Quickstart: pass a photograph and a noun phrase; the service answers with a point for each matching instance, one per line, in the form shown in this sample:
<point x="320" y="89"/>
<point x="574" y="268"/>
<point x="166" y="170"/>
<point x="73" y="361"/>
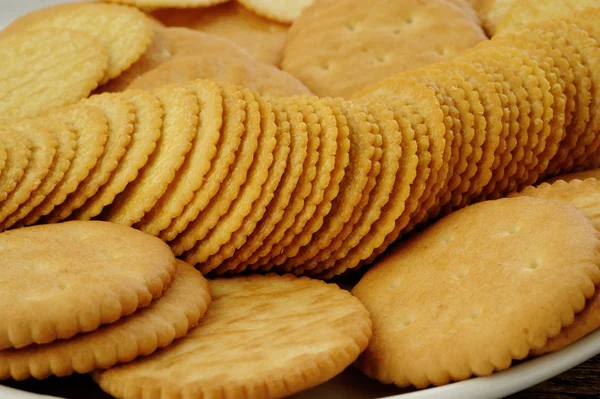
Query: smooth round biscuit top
<point x="479" y="288"/>
<point x="62" y="279"/>
<point x="262" y="337"/>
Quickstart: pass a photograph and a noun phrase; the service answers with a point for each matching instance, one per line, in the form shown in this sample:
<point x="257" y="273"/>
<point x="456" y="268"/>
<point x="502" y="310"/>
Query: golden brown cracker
<point x="124" y="32"/>
<point x="167" y="318"/>
<point x="43" y="152"/>
<point x="288" y="117"/>
<point x="197" y="164"/>
<point x="241" y="210"/>
<point x="218" y="206"/>
<point x="251" y="318"/>
<point x="147" y="129"/>
<point x="45" y="69"/>
<point x="120" y="115"/>
<point x="453" y="335"/>
<point x="260" y="210"/>
<point x="262" y="38"/>
<point x="91" y="130"/>
<point x="65" y="152"/>
<point x="18" y="151"/>
<point x="232" y="130"/>
<point x="284" y="12"/>
<point x="180" y="124"/>
<point x="339" y="48"/>
<point x="72" y="277"/>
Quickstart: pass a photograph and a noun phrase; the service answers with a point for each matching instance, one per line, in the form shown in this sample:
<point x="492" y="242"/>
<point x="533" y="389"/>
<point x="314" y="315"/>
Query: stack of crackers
<point x="176" y="127"/>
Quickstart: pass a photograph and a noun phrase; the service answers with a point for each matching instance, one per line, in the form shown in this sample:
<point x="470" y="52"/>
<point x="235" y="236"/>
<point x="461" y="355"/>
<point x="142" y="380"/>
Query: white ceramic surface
<point x="351" y="384"/>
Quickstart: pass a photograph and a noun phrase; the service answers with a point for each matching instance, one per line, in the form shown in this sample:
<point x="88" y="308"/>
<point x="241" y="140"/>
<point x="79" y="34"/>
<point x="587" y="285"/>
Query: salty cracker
<point x="262" y="38"/>
<point x="180" y="124"/>
<point x="339" y="48"/>
<point x="197" y="164"/>
<point x="284" y="12"/>
<point x="341" y="115"/>
<point x="43" y="151"/>
<point x="120" y="115"/>
<point x="265" y="320"/>
<point x="146" y="131"/>
<point x="91" y="130"/>
<point x="18" y="151"/>
<point x="45" y="69"/>
<point x="327" y="131"/>
<point x="124" y="32"/>
<point x="454" y="334"/>
<point x="241" y="210"/>
<point x="305" y="126"/>
<point x="363" y="133"/>
<point x="232" y="130"/>
<point x="218" y="206"/>
<point x="72" y="277"/>
<point x="281" y="153"/>
<point x="65" y="152"/>
<point x="153" y="4"/>
<point x="235" y="67"/>
<point x="167" y="318"/>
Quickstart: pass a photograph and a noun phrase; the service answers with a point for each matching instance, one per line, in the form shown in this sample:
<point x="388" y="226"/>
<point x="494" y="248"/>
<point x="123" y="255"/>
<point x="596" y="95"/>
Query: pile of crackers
<point x="251" y="146"/>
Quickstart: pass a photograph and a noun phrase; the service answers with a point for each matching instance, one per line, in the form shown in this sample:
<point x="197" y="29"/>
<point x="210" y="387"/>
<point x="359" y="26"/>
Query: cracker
<point x="326" y="130"/>
<point x="18" y="151"/>
<point x="65" y="153"/>
<point x="290" y="200"/>
<point x="259" y="210"/>
<point x="234" y="66"/>
<point x="124" y="32"/>
<point x="326" y="325"/>
<point x="491" y="13"/>
<point x="67" y="278"/>
<point x="43" y="151"/>
<point x="197" y="164"/>
<point x="339" y="48"/>
<point x="146" y="131"/>
<point x="167" y="318"/>
<point x="240" y="214"/>
<point x="179" y="127"/>
<point x="232" y="130"/>
<point x="587" y="174"/>
<point x="91" y="130"/>
<point x="284" y="12"/>
<point x="120" y="115"/>
<point x="362" y="133"/>
<point x="262" y="38"/>
<point x="473" y="322"/>
<point x="153" y="4"/>
<point x="220" y="204"/>
<point x="45" y="69"/>
<point x="389" y="199"/>
<point x="523" y="13"/>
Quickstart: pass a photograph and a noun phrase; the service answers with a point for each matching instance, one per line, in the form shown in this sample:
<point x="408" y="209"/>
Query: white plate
<point x="351" y="384"/>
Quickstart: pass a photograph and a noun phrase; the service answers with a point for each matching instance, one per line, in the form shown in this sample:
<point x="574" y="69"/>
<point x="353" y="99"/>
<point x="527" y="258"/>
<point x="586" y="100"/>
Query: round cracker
<point x="221" y="203"/>
<point x="124" y="32"/>
<point x="259" y="211"/>
<point x="45" y="69"/>
<point x="248" y="198"/>
<point x="339" y="48"/>
<point x="197" y="163"/>
<point x="262" y="38"/>
<point x="65" y="153"/>
<point x="284" y="12"/>
<point x="156" y="326"/>
<point x="18" y="151"/>
<point x="454" y="334"/>
<point x="362" y="134"/>
<point x="91" y="130"/>
<point x="146" y="131"/>
<point x="232" y="130"/>
<point x="120" y="115"/>
<point x="180" y="124"/>
<point x="43" y="152"/>
<point x="326" y="324"/>
<point x="63" y="279"/>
